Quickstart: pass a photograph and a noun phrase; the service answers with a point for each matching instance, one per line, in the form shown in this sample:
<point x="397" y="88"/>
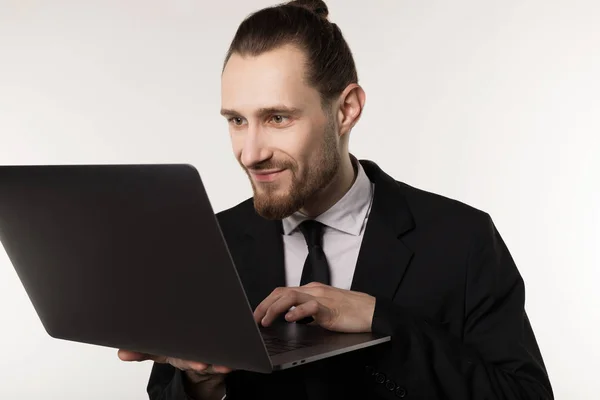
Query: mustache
<point x="271" y="165"/>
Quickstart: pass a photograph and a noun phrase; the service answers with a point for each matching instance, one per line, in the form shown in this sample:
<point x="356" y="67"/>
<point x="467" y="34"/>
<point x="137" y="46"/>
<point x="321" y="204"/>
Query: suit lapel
<point x="383" y="257"/>
<point x="260" y="262"/>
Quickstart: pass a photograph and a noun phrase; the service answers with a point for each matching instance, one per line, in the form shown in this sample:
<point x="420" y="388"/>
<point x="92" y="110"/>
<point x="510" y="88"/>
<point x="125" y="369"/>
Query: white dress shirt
<point x="345" y="224"/>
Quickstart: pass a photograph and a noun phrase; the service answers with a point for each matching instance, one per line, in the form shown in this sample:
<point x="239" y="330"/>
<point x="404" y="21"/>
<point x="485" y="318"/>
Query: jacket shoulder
<point x="432" y="207"/>
<point x="236" y="217"/>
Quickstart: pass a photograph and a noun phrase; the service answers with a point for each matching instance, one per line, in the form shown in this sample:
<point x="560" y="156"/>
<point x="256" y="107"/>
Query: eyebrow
<point x="279" y="109"/>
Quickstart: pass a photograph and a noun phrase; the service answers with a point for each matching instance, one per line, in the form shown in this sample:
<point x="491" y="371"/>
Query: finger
<point x="280" y="305"/>
<point x="128" y="355"/>
<point x="305" y="310"/>
<point x="185" y="365"/>
<point x="314" y="284"/>
<point x="283" y="304"/>
<point x="317" y="289"/>
<point x="191" y="365"/>
<point x="220" y="369"/>
<point x="261" y="310"/>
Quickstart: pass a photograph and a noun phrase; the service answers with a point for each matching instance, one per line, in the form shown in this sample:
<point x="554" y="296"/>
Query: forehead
<point x="274" y="77"/>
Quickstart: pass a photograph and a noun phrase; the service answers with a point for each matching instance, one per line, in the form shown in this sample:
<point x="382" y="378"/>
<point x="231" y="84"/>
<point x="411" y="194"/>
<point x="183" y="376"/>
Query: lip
<point x="266" y="176"/>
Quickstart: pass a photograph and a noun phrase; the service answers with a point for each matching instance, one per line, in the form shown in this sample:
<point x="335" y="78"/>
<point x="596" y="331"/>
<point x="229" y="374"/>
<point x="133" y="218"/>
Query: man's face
<point x="280" y="134"/>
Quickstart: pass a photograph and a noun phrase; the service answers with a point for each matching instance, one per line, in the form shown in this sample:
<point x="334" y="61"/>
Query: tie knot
<point x="313" y="232"/>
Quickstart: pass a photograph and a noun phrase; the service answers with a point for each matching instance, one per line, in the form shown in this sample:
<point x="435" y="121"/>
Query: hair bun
<point x="316" y="6"/>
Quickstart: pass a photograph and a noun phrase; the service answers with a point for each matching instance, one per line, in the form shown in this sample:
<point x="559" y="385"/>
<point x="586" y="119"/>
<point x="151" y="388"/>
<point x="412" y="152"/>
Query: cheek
<point x="304" y="143"/>
<point x="237" y="144"/>
<point x="311" y="149"/>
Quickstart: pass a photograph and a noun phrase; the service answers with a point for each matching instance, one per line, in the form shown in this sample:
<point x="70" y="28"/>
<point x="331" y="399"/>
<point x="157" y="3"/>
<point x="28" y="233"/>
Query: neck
<point x="333" y="192"/>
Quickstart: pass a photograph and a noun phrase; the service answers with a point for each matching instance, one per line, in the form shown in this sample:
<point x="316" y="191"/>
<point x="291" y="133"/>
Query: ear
<point x="351" y="103"/>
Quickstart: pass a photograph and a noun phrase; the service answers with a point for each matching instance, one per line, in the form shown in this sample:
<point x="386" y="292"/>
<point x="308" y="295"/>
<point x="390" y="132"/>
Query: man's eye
<point x="278" y="119"/>
<point x="236" y="121"/>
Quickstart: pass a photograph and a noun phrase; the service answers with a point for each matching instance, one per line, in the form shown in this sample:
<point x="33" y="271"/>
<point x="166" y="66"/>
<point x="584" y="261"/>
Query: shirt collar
<point x="348" y="214"/>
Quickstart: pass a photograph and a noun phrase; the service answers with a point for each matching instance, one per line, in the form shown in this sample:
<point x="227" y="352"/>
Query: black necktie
<point x="316" y="268"/>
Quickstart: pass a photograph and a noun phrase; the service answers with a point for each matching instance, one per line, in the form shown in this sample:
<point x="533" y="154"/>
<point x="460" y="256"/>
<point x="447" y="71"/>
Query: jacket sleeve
<point x="166" y="383"/>
<point x="497" y="356"/>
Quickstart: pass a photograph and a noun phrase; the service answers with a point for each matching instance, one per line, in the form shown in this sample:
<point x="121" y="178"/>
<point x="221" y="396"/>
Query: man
<point x="431" y="272"/>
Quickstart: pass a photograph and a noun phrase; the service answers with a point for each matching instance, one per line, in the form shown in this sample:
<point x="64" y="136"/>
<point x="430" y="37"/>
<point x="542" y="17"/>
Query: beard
<point x="272" y="204"/>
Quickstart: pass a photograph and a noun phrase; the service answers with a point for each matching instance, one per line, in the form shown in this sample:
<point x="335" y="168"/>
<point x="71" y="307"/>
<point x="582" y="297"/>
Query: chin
<point x="271" y="192"/>
<point x="275" y="207"/>
<point x="270" y="201"/>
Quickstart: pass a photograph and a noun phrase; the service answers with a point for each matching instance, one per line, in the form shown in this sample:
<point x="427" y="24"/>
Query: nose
<point x="255" y="149"/>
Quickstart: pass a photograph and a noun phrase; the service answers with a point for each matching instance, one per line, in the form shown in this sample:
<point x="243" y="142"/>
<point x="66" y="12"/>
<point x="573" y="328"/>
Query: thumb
<point x="127" y="355"/>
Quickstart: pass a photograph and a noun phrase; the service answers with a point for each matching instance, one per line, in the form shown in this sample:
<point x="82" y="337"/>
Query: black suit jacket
<point x="446" y="289"/>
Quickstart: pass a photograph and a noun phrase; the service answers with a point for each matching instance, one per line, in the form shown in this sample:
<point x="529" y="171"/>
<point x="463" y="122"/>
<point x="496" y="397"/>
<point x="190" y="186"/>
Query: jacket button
<point x="390" y="385"/>
<point x="369" y="370"/>
<point x="401" y="392"/>
<point x="379" y="377"/>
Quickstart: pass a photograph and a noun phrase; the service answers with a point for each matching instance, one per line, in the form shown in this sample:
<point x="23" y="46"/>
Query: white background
<point x="495" y="103"/>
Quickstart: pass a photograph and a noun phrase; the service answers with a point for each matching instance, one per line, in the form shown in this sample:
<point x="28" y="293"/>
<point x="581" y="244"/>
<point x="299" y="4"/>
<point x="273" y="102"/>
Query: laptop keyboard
<point x="276" y="345"/>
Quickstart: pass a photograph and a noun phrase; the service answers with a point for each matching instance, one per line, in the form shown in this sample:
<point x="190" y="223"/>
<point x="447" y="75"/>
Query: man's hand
<point x="204" y="381"/>
<point x="199" y="368"/>
<point x="332" y="308"/>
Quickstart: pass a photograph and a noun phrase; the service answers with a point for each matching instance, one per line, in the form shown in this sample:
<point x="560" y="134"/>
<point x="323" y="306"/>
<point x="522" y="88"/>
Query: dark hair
<point x="330" y="64"/>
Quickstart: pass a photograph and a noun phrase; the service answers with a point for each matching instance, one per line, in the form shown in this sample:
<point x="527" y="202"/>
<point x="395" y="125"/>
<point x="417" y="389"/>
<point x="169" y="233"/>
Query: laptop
<point x="132" y="257"/>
